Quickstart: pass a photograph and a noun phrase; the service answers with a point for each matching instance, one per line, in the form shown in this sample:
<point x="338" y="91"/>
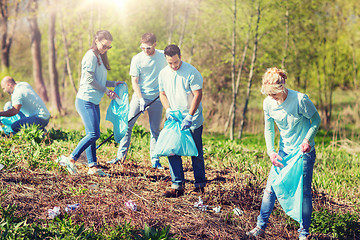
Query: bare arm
<point x="195" y="102"/>
<point x="12" y="111"/>
<point x="164" y="100"/>
<point x="135" y="86"/>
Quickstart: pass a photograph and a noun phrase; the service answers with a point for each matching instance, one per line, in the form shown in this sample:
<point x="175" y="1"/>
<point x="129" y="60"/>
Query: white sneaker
<point x="256" y="232"/>
<point x="97" y="171"/>
<point x="70" y="166"/>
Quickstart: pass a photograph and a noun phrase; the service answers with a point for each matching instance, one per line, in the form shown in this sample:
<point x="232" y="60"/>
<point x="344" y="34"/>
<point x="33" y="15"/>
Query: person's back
<point x="32" y="104"/>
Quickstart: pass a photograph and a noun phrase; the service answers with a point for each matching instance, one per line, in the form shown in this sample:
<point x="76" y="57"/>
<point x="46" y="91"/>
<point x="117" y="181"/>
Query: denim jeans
<point x="23" y="121"/>
<point x="155" y="116"/>
<point x="176" y="168"/>
<point x="269" y="197"/>
<point x="90" y="115"/>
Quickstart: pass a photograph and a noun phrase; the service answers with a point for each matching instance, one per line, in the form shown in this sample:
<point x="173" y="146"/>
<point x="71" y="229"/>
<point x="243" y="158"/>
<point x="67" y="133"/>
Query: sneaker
<point x="198" y="190"/>
<point x="256" y="232"/>
<point x="173" y="193"/>
<point x="114" y="161"/>
<point x="157" y="165"/>
<point x="97" y="171"/>
<point x="70" y="166"/>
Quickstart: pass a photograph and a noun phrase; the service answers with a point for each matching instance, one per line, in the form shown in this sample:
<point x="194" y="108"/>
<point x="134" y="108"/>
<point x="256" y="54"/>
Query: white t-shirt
<point x="178" y="86"/>
<point x="32" y="104"/>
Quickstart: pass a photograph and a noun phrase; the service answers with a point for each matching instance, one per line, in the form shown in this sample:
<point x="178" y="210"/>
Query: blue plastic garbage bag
<point x="173" y="141"/>
<point x="118" y="111"/>
<point x="288" y="184"/>
<point x="7" y="122"/>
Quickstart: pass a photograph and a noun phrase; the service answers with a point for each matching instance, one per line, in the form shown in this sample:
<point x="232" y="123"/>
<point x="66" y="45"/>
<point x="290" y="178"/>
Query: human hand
<point x="168" y="116"/>
<point x="305" y="146"/>
<point x="111" y="94"/>
<point x="275" y="158"/>
<point x="142" y="105"/>
<point x="119" y="82"/>
<point x="187" y="122"/>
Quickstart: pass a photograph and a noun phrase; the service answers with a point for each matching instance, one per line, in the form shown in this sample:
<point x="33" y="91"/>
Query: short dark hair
<point x="171" y="50"/>
<point x="148" y="37"/>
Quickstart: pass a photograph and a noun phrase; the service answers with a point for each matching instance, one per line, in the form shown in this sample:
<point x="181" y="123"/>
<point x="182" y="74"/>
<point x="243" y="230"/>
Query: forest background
<point x="231" y="42"/>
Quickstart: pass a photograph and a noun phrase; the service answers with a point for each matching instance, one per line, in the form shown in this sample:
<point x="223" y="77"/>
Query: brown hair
<point x="100" y="35"/>
<point x="148" y="38"/>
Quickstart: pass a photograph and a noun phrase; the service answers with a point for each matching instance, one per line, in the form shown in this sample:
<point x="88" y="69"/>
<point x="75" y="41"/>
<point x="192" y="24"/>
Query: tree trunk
<point x="53" y="73"/>
<point x="253" y="61"/>
<point x="232" y="113"/>
<point x="233" y="84"/>
<point x="183" y="27"/>
<point x="171" y="21"/>
<point x="286" y="37"/>
<point x="6" y="37"/>
<point x="195" y="31"/>
<point x="36" y="51"/>
<point x="67" y="58"/>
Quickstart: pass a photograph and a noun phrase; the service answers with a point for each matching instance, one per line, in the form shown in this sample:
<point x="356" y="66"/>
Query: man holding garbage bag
<point x="180" y="86"/>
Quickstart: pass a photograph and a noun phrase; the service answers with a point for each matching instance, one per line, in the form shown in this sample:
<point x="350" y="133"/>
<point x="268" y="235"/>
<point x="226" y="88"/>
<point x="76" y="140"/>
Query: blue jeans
<point x="155" y="116"/>
<point x="90" y="115"/>
<point x="269" y="197"/>
<point x="176" y="168"/>
<point x="23" y="121"/>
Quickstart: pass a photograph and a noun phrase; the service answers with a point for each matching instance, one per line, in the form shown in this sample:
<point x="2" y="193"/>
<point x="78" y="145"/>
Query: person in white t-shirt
<point x="298" y="121"/>
<point x="144" y="71"/>
<point x="180" y="86"/>
<point x="26" y="101"/>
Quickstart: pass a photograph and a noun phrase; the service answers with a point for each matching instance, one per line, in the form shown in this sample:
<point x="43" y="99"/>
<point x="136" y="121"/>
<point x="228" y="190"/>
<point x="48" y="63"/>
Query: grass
<point x="236" y="172"/>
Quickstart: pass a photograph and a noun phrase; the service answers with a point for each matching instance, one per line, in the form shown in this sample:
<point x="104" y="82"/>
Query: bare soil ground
<point x="102" y="199"/>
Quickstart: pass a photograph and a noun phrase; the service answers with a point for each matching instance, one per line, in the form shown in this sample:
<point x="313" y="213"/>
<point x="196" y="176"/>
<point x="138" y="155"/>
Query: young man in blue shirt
<point x="180" y="86"/>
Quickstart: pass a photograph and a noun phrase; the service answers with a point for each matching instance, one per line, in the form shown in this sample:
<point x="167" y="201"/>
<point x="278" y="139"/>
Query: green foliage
<point x="123" y="231"/>
<point x="337" y="224"/>
<point x="64" y="135"/>
<point x="151" y="233"/>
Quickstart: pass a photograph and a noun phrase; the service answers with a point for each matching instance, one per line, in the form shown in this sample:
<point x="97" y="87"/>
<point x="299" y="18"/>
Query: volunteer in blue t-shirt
<point x="298" y="121"/>
<point x="144" y="71"/>
<point x="180" y="86"/>
<point x="93" y="85"/>
<point x="26" y="101"/>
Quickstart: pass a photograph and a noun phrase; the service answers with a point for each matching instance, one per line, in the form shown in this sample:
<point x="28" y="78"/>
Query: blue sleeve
<point x="307" y="108"/>
<point x="315" y="124"/>
<point x="269" y="131"/>
<point x="196" y="80"/>
<point x="134" y="67"/>
<point x="89" y="62"/>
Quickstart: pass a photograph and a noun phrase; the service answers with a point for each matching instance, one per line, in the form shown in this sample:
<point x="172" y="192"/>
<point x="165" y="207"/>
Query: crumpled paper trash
<point x="217" y="209"/>
<point x="1" y="166"/>
<point x="131" y="205"/>
<point x="238" y="212"/>
<point x="54" y="212"/>
<point x="200" y="205"/>
<point x="72" y="207"/>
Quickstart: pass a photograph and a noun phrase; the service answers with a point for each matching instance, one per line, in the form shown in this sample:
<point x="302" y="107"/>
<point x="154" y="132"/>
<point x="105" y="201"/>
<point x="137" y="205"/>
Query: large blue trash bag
<point x="118" y="111"/>
<point x="172" y="141"/>
<point x="6" y="123"/>
<point x="288" y="184"/>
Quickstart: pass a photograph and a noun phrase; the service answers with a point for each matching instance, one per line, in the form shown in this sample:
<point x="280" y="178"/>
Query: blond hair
<point x="273" y="81"/>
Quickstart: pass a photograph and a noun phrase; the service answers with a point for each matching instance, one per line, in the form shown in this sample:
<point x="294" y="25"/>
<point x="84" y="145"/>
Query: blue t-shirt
<point x="178" y="86"/>
<point x="292" y="118"/>
<point x="31" y="103"/>
<point x="90" y="64"/>
<point x="147" y="68"/>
